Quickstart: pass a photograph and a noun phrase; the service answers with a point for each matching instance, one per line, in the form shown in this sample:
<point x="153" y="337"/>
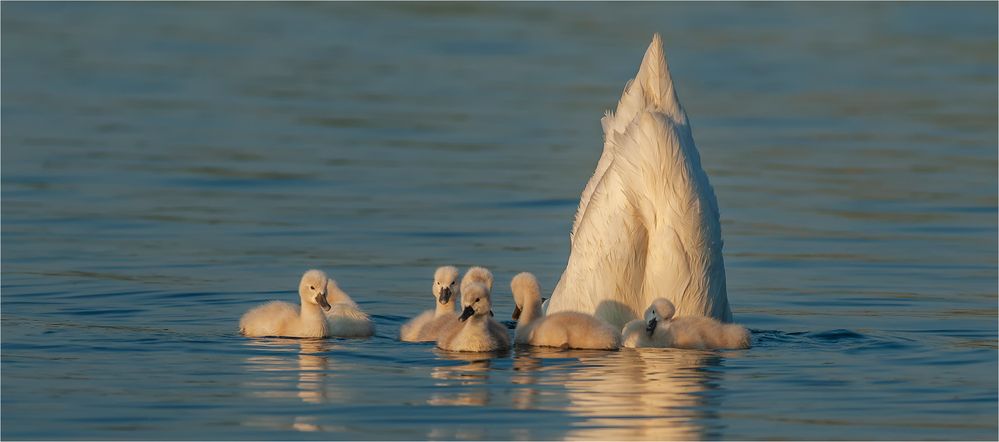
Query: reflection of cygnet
<point x="660" y="329"/>
<point x="563" y="329"/>
<point x="478" y="331"/>
<point x="344" y="318"/>
<point x="278" y="318"/>
<point x="429" y="324"/>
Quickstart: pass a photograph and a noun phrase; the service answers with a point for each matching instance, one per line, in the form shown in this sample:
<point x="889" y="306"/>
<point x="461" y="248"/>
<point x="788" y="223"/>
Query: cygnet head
<point x="525" y="290"/>
<point x="445" y="279"/>
<point x="660" y="310"/>
<point x="480" y="275"/>
<point x="475" y="301"/>
<point x="312" y="289"/>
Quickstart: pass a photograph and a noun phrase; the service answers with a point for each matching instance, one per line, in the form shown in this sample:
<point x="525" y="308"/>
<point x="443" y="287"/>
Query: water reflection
<point x="309" y="371"/>
<point x="471" y="379"/>
<point x="644" y="394"/>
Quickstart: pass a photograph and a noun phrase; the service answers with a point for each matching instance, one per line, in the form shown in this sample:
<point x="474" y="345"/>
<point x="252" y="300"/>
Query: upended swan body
<point x="661" y="329"/>
<point x="428" y="325"/>
<point x="278" y="318"/>
<point x="345" y="319"/>
<point x="647" y="221"/>
<point x="478" y="331"/>
<point x="563" y="329"/>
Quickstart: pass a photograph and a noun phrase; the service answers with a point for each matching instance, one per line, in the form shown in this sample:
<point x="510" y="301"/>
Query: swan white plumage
<point x="563" y="329"/>
<point x="661" y="329"/>
<point x="478" y="330"/>
<point x="647" y="221"/>
<point x="278" y="318"/>
<point x="430" y="323"/>
<point x="344" y="318"/>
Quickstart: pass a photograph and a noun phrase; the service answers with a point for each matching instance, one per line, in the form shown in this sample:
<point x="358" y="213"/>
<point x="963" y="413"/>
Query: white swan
<point x="647" y="221"/>
<point x="478" y="330"/>
<point x="563" y="329"/>
<point x="344" y="318"/>
<point x="661" y="329"/>
<point x="278" y="318"/>
<point x="429" y="324"/>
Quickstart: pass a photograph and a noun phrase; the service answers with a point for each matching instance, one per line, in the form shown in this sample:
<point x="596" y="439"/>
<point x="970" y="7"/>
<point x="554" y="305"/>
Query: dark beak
<point x="466" y="313"/>
<point x="652" y="326"/>
<point x="445" y="295"/>
<point x="516" y="312"/>
<point x="491" y="314"/>
<point x="321" y="300"/>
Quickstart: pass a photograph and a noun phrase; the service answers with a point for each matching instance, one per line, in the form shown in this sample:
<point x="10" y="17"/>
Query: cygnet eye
<point x="312" y="287"/>
<point x="476" y="299"/>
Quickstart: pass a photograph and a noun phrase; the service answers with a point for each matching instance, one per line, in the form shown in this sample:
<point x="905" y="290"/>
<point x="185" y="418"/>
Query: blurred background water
<point x="167" y="166"/>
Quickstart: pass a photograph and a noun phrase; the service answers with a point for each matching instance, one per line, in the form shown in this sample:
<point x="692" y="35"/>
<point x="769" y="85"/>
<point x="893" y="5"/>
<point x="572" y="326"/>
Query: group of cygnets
<point x="326" y="311"/>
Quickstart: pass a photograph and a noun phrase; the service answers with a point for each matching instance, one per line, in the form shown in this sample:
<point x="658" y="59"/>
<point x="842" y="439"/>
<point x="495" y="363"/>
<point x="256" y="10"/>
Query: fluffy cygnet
<point x="660" y="329"/>
<point x="563" y="329"/>
<point x="278" y="318"/>
<point x="478" y="330"/>
<point x="480" y="275"/>
<point x="483" y="276"/>
<point x="344" y="318"/>
<point x="428" y="325"/>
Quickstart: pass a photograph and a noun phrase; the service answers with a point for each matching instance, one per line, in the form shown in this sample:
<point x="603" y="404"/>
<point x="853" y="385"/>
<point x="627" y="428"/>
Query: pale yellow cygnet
<point x="478" y="330"/>
<point x="660" y="329"/>
<point x="563" y="329"/>
<point x="278" y="318"/>
<point x="429" y="324"/>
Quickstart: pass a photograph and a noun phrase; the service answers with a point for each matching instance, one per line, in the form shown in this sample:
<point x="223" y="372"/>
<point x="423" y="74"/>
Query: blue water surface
<point x="167" y="166"/>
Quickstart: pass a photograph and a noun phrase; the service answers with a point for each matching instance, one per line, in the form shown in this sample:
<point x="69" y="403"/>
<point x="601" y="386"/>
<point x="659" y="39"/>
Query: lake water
<point x="166" y="167"/>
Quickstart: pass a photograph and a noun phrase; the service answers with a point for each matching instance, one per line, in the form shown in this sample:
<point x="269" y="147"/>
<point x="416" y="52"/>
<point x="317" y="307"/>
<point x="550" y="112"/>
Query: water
<point x="168" y="166"/>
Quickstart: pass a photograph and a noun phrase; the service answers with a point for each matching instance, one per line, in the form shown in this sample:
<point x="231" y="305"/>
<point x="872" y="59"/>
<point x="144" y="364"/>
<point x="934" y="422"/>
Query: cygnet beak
<point x="321" y="300"/>
<point x="516" y="312"/>
<point x="445" y="295"/>
<point x="491" y="314"/>
<point x="652" y="326"/>
<point x="466" y="313"/>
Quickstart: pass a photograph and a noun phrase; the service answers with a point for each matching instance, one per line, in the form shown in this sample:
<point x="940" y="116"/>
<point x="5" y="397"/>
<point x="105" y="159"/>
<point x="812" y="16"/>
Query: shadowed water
<point x="168" y="166"/>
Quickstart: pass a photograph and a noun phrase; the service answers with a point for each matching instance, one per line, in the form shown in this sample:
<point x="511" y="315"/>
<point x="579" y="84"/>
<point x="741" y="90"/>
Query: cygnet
<point x="562" y="329"/>
<point x="480" y="275"/>
<point x="428" y="325"/>
<point x="278" y="318"/>
<point x="660" y="329"/>
<point x="483" y="276"/>
<point x="478" y="330"/>
<point x="344" y="318"/>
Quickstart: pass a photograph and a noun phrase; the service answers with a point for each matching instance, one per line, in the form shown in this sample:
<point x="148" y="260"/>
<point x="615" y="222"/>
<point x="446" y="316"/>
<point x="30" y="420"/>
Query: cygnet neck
<point x="444" y="309"/>
<point x="530" y="311"/>
<point x="310" y="310"/>
<point x="477" y="319"/>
